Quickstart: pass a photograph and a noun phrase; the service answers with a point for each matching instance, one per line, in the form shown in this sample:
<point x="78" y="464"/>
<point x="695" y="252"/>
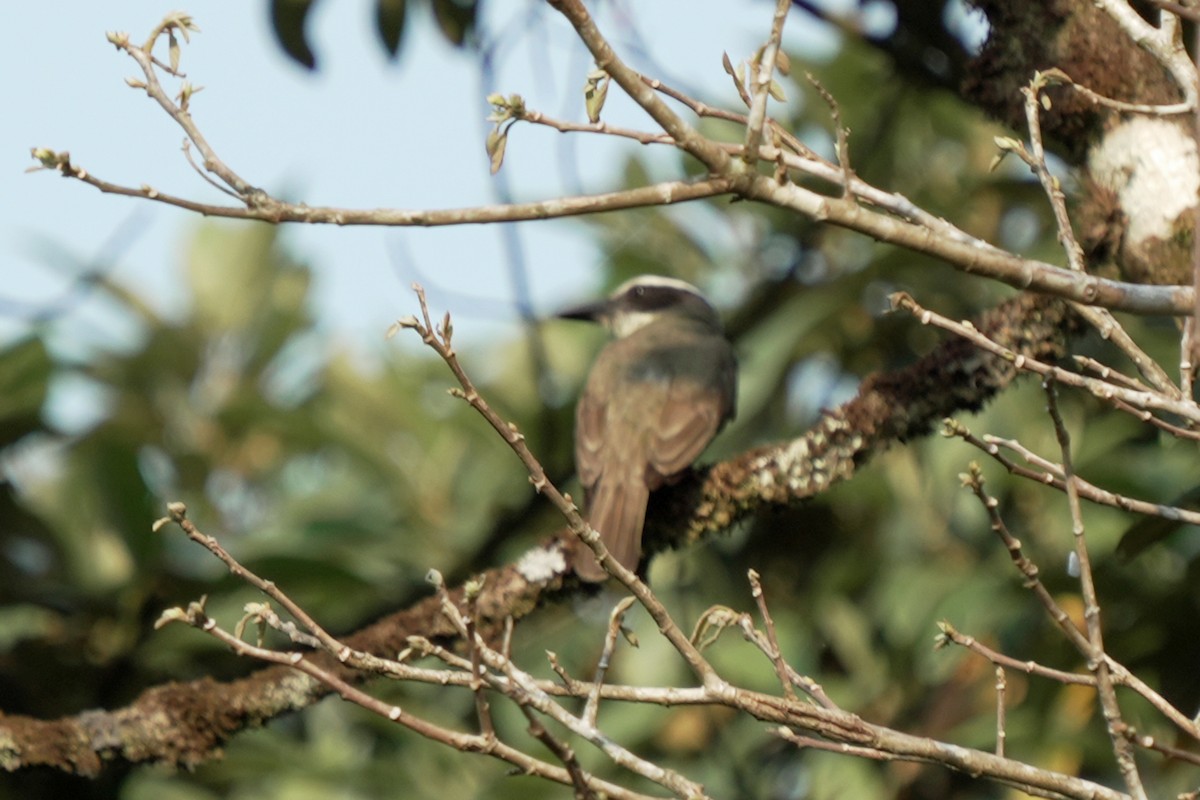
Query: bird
<point x="655" y="396"/>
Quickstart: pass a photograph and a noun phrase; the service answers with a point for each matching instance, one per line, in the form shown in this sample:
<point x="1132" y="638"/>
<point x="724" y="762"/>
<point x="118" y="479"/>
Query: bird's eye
<point x="640" y="291"/>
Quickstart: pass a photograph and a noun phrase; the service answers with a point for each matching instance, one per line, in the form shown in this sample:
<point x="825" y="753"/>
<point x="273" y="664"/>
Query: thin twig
<point x="763" y="78"/>
<point x="756" y="591"/>
<point x="951" y="635"/>
<point x="270" y="209"/>
<point x="1148" y="742"/>
<point x="1051" y="475"/>
<point x="687" y="138"/>
<point x="467" y="743"/>
<point x="1100" y="389"/>
<point x="1097" y="662"/>
<point x="563" y="752"/>
<point x="973" y="480"/>
<point x="1036" y="159"/>
<point x="1187" y="359"/>
<point x="1100" y="318"/>
<point x="177" y="513"/>
<point x="859" y="751"/>
<point x="1056" y="75"/>
<point x="1001" y="692"/>
<point x="212" y="162"/>
<point x="615" y="620"/>
<point x="1161" y="424"/>
<point x="843" y="135"/>
<point x="187" y="153"/>
<point x="1107" y="373"/>
<point x="482" y="710"/>
<point x="1110" y="329"/>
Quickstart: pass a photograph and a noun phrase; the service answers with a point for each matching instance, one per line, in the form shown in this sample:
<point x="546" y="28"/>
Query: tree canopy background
<point x="345" y="479"/>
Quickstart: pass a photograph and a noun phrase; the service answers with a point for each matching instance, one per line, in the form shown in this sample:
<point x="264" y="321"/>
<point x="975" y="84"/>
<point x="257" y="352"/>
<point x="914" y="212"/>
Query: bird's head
<point x="645" y="299"/>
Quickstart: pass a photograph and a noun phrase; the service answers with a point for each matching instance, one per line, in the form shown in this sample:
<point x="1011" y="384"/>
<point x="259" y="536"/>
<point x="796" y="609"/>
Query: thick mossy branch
<point x="890" y="407"/>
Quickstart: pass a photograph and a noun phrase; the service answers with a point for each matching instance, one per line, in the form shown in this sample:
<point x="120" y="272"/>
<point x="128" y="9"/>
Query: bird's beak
<point x="594" y="311"/>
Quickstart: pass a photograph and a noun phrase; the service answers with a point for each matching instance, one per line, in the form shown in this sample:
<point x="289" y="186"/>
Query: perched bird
<point x="655" y="397"/>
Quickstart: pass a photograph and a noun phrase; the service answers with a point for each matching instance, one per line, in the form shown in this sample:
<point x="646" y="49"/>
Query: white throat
<point x="627" y="322"/>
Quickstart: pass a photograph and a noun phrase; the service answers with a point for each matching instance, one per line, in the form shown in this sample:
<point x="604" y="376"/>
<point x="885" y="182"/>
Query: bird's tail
<point x="616" y="511"/>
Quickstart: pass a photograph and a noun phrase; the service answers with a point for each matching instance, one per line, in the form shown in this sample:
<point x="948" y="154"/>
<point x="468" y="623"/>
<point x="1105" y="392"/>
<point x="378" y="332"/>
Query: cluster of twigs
<point x="766" y="165"/>
<point x="802" y="713"/>
<point x="841" y="199"/>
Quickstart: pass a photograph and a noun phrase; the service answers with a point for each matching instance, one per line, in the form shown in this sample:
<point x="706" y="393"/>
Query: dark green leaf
<point x="25" y="370"/>
<point x="389" y="21"/>
<point x="456" y="18"/>
<point x="288" y="19"/>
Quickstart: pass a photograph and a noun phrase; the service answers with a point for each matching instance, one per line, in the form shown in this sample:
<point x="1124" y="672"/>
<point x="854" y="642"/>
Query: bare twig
<point x="777" y="660"/>
<point x="1148" y="742"/>
<point x="1097" y="662"/>
<point x="1161" y="424"/>
<point x="269" y="209"/>
<point x="615" y="620"/>
<point x="467" y="743"/>
<point x="177" y="513"/>
<point x="859" y="751"/>
<point x="842" y="132"/>
<point x="1056" y="75"/>
<point x="1051" y="475"/>
<point x="1107" y="373"/>
<point x="1001" y="692"/>
<point x="1100" y="389"/>
<point x="177" y="112"/>
<point x="563" y="752"/>
<point x="566" y="126"/>
<point x="686" y="137"/>
<point x="973" y="480"/>
<point x="951" y="635"/>
<point x="1035" y="158"/>
<point x="761" y="88"/>
<point x="187" y="153"/>
<point x="1109" y="328"/>
<point x="482" y="710"/>
<point x="1100" y="318"/>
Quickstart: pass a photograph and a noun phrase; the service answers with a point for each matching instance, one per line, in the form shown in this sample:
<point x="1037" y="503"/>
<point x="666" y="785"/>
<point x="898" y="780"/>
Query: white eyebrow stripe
<point x="656" y="280"/>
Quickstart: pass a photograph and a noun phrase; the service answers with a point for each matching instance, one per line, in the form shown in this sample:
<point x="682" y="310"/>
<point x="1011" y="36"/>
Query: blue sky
<point x="360" y="132"/>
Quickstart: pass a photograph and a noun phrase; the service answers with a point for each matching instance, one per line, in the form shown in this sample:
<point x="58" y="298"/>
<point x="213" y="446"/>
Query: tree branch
<point x="183" y="723"/>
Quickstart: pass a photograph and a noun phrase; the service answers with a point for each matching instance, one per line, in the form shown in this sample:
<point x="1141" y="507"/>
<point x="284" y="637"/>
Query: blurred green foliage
<point x="345" y="480"/>
<point x="290" y="18"/>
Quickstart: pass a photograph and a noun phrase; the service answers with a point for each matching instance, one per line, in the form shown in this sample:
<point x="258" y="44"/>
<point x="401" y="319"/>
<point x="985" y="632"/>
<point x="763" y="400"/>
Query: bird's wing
<point x="688" y="417"/>
<point x="590" y="428"/>
<point x="610" y="440"/>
